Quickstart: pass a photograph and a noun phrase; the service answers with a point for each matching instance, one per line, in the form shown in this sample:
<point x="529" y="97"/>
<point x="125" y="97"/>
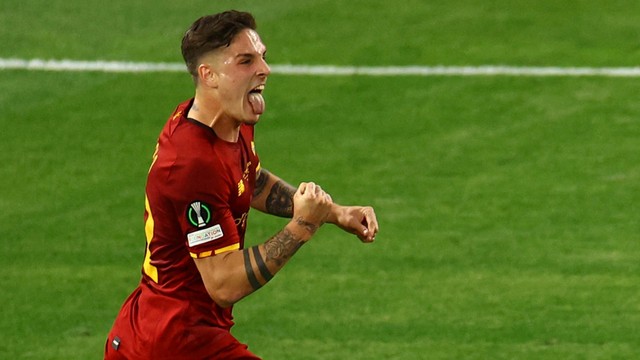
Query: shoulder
<point x="190" y="154"/>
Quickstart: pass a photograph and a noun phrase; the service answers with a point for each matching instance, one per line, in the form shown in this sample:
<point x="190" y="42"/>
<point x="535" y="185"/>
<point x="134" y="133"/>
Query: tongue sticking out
<point x="257" y="102"/>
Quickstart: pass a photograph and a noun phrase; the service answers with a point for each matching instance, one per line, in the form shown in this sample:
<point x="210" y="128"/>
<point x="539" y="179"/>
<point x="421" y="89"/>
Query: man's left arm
<point x="274" y="196"/>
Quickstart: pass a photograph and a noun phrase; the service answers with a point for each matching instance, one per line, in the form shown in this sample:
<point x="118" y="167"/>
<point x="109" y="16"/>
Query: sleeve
<point x="203" y="209"/>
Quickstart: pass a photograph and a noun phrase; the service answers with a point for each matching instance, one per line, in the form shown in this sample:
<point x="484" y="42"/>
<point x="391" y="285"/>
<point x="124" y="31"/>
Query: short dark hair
<point x="211" y="32"/>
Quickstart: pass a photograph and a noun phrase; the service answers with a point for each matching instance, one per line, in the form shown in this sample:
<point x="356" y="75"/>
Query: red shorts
<point x="153" y="327"/>
<point x="222" y="346"/>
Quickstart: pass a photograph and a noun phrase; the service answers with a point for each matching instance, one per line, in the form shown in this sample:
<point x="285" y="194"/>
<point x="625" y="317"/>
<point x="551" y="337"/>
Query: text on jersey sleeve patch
<point x="205" y="235"/>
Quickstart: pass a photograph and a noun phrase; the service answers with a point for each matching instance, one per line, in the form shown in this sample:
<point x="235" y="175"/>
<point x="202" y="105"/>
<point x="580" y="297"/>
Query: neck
<point x="207" y="112"/>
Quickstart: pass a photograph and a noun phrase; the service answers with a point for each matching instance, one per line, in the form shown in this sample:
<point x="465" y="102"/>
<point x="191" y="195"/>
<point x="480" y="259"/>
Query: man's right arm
<point x="230" y="276"/>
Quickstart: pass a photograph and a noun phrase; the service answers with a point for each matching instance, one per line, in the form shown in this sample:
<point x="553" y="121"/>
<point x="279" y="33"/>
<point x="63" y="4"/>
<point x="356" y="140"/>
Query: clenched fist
<point x="311" y="206"/>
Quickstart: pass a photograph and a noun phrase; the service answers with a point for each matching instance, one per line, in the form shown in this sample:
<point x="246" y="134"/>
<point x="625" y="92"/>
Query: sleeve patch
<point x="205" y="235"/>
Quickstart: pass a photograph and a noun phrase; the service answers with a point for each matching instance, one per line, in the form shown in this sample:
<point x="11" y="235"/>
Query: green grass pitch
<point x="508" y="206"/>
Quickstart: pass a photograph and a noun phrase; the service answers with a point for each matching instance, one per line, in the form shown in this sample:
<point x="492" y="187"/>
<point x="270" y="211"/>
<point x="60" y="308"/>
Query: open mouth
<point x="256" y="100"/>
<point x="257" y="90"/>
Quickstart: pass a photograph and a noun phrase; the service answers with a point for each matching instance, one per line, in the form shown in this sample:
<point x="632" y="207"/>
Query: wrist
<point x="332" y="218"/>
<point x="301" y="229"/>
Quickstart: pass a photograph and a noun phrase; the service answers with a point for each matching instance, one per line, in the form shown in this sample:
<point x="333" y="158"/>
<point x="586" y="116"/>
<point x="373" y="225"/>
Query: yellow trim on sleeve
<point x="205" y="254"/>
<point x="235" y="246"/>
<point x="201" y="255"/>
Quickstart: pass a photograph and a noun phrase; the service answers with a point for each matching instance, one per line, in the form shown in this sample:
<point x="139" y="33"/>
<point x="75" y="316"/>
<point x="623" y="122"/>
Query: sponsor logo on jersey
<point x="205" y="235"/>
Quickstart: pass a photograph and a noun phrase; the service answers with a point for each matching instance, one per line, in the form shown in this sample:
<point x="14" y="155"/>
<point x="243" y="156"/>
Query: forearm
<point x="273" y="195"/>
<point x="231" y="276"/>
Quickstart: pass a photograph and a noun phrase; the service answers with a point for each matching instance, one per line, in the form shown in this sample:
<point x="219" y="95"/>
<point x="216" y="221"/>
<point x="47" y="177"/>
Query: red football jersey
<point x="198" y="196"/>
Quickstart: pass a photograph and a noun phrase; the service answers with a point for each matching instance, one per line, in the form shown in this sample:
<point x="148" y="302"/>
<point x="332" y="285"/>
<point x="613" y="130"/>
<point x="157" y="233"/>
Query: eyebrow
<point x="250" y="54"/>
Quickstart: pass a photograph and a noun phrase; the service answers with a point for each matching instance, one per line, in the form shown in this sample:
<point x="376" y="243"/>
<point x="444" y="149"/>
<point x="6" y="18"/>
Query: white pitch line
<point x="77" y="65"/>
<point x="326" y="70"/>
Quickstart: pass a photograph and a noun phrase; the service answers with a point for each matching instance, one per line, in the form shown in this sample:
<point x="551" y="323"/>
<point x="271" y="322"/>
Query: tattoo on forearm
<point x="249" y="269"/>
<point x="281" y="247"/>
<point x="264" y="271"/>
<point x="310" y="227"/>
<point x="261" y="182"/>
<point x="280" y="200"/>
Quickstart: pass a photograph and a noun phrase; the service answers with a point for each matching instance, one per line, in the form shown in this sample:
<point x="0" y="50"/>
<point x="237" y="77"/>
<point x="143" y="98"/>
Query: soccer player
<point x="204" y="178"/>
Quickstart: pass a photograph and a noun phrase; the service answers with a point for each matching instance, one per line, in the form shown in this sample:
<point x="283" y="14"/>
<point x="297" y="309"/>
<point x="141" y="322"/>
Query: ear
<point x="207" y="76"/>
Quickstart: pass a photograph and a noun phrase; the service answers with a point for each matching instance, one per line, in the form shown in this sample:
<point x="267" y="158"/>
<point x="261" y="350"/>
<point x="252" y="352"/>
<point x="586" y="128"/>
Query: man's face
<point x="242" y="72"/>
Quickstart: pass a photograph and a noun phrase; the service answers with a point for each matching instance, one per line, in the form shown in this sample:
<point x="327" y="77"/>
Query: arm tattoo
<point x="261" y="182"/>
<point x="280" y="200"/>
<point x="279" y="249"/>
<point x="282" y="246"/>
<point x="249" y="269"/>
<point x="266" y="274"/>
<point x="310" y="227"/>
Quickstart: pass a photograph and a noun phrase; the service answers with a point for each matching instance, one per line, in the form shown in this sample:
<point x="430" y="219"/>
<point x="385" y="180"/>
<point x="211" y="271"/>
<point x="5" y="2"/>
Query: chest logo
<point x="240" y="187"/>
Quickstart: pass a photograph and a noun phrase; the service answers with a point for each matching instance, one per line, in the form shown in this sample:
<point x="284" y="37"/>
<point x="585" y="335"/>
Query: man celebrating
<point x="204" y="178"/>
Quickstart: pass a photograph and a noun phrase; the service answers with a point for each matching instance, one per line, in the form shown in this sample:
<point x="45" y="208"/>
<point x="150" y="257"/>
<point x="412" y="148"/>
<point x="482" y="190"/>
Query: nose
<point x="264" y="69"/>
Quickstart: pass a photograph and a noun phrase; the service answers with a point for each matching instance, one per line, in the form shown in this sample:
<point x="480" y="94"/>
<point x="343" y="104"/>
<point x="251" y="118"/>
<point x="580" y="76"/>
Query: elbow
<point x="223" y="283"/>
<point x="223" y="300"/>
<point x="225" y="297"/>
